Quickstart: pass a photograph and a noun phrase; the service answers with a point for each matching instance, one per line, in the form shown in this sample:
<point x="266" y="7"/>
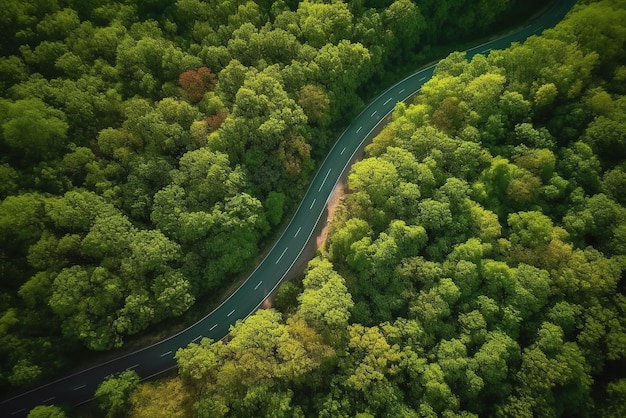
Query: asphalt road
<point x="79" y="388"/>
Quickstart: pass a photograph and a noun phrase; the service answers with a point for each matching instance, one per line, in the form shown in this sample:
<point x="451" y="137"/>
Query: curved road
<point x="79" y="388"/>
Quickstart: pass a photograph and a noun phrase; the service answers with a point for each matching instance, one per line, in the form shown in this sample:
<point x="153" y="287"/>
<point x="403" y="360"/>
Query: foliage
<point x="475" y="267"/>
<point x="148" y="147"/>
<point x="113" y="395"/>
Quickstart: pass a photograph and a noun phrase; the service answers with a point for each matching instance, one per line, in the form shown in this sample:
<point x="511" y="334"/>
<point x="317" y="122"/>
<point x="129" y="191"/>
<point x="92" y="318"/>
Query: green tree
<point x="376" y="177"/>
<point x="275" y="206"/>
<point x="24" y="373"/>
<point x="323" y="23"/>
<point x="325" y="302"/>
<point x="148" y="400"/>
<point x="50" y="411"/>
<point x="266" y="134"/>
<point x="406" y="21"/>
<point x="33" y="128"/>
<point x="113" y="394"/>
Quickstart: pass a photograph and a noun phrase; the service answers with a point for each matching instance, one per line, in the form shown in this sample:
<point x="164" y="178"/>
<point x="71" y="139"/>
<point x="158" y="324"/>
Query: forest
<point x="475" y="268"/>
<point x="149" y="149"/>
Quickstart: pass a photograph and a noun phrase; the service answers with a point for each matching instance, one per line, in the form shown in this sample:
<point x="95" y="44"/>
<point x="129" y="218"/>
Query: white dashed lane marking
<point x="324" y="181"/>
<point x="279" y="258"/>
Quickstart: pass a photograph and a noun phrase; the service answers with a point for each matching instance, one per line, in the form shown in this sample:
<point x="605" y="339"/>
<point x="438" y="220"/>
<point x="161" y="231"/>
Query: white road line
<point x="485" y="51"/>
<point x="401" y="91"/>
<point x="281" y="256"/>
<point x="372" y="115"/>
<point x="324" y="181"/>
<point x="421" y="79"/>
<point x="18" y="411"/>
<point x="297" y="232"/>
<point x="258" y="284"/>
<point x="312" y="203"/>
<point x="49" y="399"/>
<point x="196" y="339"/>
<point x="213" y="327"/>
<point x="165" y="354"/>
<point x="231" y="312"/>
<point x="359" y="130"/>
<point x="538" y="30"/>
<point x="343" y="150"/>
<point x="387" y="101"/>
<point x="79" y="387"/>
<point x="134" y="366"/>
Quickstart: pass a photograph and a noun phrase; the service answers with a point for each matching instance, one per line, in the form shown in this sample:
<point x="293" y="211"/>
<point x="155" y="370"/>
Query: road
<point x="79" y="388"/>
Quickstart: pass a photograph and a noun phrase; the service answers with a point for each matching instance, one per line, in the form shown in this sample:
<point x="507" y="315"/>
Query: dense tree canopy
<point x="148" y="148"/>
<point x="475" y="268"/>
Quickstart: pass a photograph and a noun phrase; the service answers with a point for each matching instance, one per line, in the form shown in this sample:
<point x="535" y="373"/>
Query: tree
<point x="266" y="134"/>
<point x="323" y="23"/>
<point x="24" y="373"/>
<point x="376" y="177"/>
<point x="33" y="128"/>
<point x="373" y="358"/>
<point x="437" y="394"/>
<point x="342" y="238"/>
<point x="231" y="78"/>
<point x="85" y="299"/>
<point x="161" y="400"/>
<point x="137" y="313"/>
<point x="113" y="394"/>
<point x="325" y="301"/>
<point x="406" y="21"/>
<point x="150" y="252"/>
<point x="49" y="411"/>
<point x="530" y="229"/>
<point x="274" y="207"/>
<point x="613" y="182"/>
<point x="195" y="83"/>
<point x="173" y="293"/>
<point x="616" y="395"/>
<point x="315" y="104"/>
<point x="606" y="136"/>
<point x="434" y="215"/>
<point x="108" y="237"/>
<point x="76" y="210"/>
<point x="20" y="219"/>
<point x="262" y="352"/>
<point x="492" y="361"/>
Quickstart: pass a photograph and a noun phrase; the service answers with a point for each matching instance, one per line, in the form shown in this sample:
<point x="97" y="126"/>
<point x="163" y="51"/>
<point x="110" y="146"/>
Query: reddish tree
<point x="195" y="83"/>
<point x="215" y="121"/>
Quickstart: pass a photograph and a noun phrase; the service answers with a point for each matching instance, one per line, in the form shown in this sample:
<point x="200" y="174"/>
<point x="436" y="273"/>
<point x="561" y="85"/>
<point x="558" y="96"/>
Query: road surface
<point x="79" y="388"/>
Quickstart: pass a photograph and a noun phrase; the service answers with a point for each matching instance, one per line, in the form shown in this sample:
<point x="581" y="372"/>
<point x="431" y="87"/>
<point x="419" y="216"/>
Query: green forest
<point x="150" y="149"/>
